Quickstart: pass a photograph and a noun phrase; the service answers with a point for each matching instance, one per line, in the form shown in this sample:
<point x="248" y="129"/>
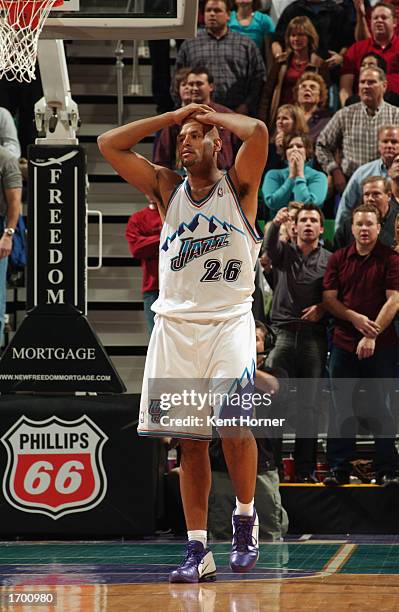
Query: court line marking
<point x="339" y="559"/>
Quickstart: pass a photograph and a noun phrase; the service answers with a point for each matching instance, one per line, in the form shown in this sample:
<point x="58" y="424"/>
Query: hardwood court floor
<point x="308" y="574"/>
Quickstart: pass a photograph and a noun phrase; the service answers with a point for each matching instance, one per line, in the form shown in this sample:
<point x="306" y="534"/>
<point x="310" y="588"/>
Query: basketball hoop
<point x="21" y="23"/>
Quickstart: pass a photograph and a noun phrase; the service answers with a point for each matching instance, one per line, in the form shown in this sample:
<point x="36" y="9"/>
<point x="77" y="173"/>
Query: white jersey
<point x="208" y="252"/>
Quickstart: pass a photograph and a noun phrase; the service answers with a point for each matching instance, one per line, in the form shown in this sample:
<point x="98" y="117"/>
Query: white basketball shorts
<point x="190" y="369"/>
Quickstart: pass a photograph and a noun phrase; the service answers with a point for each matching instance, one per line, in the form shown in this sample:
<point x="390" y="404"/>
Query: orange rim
<point x="26" y="13"/>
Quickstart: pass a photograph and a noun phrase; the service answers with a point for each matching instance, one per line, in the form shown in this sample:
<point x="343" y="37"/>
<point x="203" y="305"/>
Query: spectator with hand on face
<point x="298" y="181"/>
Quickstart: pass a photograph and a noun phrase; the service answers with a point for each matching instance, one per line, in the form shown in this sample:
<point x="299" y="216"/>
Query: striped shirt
<point x="235" y="63"/>
<point x="355" y="131"/>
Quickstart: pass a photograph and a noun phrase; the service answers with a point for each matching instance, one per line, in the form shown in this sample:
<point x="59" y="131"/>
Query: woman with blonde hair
<point x="289" y="119"/>
<point x="301" y="41"/>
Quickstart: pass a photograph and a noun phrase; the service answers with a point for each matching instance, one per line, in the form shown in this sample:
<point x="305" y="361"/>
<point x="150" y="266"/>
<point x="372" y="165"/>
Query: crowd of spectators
<point x="324" y="78"/>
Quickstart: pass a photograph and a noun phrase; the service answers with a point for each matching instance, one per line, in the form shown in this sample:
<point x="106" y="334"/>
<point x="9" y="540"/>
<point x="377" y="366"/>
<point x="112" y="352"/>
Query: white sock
<point x="198" y="534"/>
<point x="244" y="509"/>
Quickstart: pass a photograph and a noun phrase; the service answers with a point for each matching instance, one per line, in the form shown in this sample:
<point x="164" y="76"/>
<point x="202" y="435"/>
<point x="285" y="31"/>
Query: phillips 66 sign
<point x="54" y="466"/>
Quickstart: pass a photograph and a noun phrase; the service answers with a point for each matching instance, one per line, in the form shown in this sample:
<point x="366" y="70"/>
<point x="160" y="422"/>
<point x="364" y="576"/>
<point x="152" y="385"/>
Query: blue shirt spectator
<point x="298" y="181"/>
<point x="259" y="26"/>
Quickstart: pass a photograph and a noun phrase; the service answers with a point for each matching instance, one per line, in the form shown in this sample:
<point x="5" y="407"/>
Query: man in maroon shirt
<point x="383" y="41"/>
<point x="142" y="234"/>
<point x="361" y="290"/>
<point x="200" y="81"/>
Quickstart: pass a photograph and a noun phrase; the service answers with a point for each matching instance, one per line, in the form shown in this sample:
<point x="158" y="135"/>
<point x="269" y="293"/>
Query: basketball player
<point x="204" y="328"/>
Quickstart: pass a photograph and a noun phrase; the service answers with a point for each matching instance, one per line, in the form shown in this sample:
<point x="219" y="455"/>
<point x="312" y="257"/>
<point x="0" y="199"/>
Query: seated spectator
<point x="247" y="20"/>
<point x="333" y="26"/>
<point x="350" y="137"/>
<point x="289" y="119"/>
<point x="388" y="146"/>
<point x="273" y="522"/>
<point x="311" y="95"/>
<point x="200" y="86"/>
<point x="298" y="181"/>
<point x="234" y="60"/>
<point x="383" y="41"/>
<point x="301" y="42"/>
<point x="376" y="192"/>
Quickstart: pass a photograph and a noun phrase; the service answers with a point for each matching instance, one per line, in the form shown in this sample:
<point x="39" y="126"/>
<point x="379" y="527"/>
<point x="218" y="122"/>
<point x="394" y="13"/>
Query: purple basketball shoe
<point x="197" y="566"/>
<point x="245" y="550"/>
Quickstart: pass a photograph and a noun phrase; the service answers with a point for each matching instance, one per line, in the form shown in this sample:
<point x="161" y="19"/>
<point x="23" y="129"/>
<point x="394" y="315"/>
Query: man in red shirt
<point x="361" y="290"/>
<point x="383" y="41"/>
<point x="142" y="234"/>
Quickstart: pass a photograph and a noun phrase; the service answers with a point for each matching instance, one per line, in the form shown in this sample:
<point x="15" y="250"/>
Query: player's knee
<point x="236" y="437"/>
<point x="193" y="451"/>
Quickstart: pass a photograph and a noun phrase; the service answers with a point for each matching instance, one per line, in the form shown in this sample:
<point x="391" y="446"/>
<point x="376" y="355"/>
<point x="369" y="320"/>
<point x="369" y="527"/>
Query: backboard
<point x="122" y="19"/>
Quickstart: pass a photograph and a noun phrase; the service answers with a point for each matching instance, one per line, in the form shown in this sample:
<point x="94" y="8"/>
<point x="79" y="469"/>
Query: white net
<point x="21" y="22"/>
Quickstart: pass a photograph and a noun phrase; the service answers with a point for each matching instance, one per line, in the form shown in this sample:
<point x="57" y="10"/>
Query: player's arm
<point x="251" y="158"/>
<point x="115" y="145"/>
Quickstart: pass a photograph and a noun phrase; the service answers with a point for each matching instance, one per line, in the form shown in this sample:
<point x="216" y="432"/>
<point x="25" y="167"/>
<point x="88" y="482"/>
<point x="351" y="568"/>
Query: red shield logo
<point x="54" y="466"/>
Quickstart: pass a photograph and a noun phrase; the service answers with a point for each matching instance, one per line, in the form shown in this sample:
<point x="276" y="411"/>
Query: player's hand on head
<point x="181" y="114"/>
<point x="206" y="117"/>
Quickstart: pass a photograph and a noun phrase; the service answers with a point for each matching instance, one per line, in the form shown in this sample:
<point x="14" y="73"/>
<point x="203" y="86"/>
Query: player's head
<point x="198" y="144"/>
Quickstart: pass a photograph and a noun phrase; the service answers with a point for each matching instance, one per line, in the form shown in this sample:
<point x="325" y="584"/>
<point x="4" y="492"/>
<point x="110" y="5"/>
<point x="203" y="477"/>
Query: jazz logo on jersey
<point x="192" y="248"/>
<point x="54" y="466"/>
